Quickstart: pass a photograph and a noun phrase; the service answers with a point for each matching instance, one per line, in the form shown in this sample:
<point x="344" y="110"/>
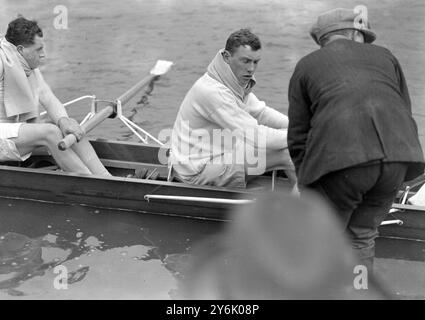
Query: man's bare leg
<point x="32" y="136"/>
<point x="89" y="157"/>
<point x="84" y="150"/>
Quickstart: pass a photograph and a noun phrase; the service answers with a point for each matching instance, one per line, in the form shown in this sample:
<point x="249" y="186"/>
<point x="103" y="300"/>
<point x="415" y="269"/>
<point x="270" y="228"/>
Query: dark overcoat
<point x="349" y="105"/>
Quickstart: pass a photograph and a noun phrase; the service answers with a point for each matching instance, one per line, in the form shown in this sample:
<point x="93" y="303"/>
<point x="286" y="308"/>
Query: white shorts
<point x="229" y="175"/>
<point x="8" y="150"/>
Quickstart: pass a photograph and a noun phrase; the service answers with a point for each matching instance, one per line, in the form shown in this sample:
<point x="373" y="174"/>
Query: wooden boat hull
<point x="405" y="241"/>
<point x="123" y="194"/>
<point x="117" y="192"/>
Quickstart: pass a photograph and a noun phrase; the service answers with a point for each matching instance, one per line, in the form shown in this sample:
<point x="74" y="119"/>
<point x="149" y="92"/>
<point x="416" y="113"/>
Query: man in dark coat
<point x="351" y="133"/>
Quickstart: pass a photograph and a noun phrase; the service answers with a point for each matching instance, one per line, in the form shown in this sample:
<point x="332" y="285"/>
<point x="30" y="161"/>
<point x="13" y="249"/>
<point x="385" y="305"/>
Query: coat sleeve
<point x="223" y="109"/>
<point x="299" y="114"/>
<point x="264" y="114"/>
<point x="404" y="91"/>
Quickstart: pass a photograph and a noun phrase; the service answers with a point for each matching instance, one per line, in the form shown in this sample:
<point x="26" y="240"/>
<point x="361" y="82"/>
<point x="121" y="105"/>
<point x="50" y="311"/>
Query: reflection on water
<point x="108" y="255"/>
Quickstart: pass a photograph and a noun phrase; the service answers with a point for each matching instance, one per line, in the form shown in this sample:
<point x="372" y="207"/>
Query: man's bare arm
<point x="56" y="110"/>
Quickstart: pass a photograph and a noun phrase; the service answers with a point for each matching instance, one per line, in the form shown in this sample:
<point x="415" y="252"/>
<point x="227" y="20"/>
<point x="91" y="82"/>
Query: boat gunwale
<point x="122" y="179"/>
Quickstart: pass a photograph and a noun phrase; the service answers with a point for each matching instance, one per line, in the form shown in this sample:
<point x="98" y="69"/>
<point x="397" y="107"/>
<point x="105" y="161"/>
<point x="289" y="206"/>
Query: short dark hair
<point x="242" y="37"/>
<point x="22" y="31"/>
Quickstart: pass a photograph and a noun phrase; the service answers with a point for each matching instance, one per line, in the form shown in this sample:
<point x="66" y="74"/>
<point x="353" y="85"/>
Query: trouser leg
<point x="377" y="201"/>
<point x="362" y="196"/>
<point x="269" y="160"/>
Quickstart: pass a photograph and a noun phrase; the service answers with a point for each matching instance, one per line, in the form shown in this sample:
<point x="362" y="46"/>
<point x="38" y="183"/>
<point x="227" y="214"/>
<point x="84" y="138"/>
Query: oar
<point x="161" y="67"/>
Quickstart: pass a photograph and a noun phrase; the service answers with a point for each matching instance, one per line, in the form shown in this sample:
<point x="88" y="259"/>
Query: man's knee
<point x="50" y="133"/>
<point x="279" y="160"/>
<point x="36" y="135"/>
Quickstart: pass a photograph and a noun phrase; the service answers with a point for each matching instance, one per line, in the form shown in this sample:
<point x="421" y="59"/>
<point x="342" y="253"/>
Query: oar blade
<point x="161" y="67"/>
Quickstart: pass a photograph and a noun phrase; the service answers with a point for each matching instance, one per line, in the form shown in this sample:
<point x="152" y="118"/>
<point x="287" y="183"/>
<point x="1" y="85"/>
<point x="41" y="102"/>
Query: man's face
<point x="34" y="54"/>
<point x="243" y="63"/>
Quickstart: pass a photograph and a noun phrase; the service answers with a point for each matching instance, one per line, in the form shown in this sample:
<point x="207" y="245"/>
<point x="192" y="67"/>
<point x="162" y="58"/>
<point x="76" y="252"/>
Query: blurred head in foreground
<point x="281" y="247"/>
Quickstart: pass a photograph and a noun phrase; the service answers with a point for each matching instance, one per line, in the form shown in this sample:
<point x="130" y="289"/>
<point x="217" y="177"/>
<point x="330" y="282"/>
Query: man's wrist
<point x="59" y="120"/>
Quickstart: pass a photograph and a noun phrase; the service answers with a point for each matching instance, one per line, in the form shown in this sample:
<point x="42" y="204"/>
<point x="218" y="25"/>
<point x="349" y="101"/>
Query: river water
<point x="107" y="254"/>
<point x="105" y="49"/>
<point x="109" y="46"/>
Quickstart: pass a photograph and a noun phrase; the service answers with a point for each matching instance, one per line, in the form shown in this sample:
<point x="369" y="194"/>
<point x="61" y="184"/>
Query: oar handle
<point x="70" y="139"/>
<point x="67" y="142"/>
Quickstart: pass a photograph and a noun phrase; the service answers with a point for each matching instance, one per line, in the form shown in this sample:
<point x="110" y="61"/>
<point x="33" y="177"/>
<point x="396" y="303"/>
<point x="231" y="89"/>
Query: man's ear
<point x="20" y="48"/>
<point x="226" y="56"/>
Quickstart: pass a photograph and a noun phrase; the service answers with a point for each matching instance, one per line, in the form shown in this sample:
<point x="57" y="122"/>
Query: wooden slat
<point x="127" y="151"/>
<point x="162" y="170"/>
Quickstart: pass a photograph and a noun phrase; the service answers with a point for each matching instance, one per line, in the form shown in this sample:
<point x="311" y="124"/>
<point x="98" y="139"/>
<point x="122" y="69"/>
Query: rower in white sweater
<point x="222" y="132"/>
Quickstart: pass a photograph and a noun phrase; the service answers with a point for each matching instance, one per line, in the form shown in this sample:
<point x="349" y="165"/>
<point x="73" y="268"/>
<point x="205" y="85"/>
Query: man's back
<point x="357" y="106"/>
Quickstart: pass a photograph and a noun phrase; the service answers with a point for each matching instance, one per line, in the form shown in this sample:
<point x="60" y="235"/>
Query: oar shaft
<point x="98" y="118"/>
<point x="130" y="93"/>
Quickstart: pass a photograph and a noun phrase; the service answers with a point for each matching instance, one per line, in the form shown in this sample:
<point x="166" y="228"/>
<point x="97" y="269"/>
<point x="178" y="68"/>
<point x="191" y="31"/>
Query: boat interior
<point x="133" y="160"/>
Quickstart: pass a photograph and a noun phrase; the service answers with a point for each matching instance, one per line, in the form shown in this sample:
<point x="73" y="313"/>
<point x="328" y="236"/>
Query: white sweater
<point x="208" y="108"/>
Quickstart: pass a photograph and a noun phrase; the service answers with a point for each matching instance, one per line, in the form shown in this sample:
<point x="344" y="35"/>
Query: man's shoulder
<point x="210" y="88"/>
<point x="380" y="49"/>
<point x="322" y="53"/>
<point x="372" y="50"/>
<point x="309" y="58"/>
<point x="206" y="82"/>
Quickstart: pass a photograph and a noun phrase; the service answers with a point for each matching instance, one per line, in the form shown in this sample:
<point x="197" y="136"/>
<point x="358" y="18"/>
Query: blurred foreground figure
<point x="281" y="247"/>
